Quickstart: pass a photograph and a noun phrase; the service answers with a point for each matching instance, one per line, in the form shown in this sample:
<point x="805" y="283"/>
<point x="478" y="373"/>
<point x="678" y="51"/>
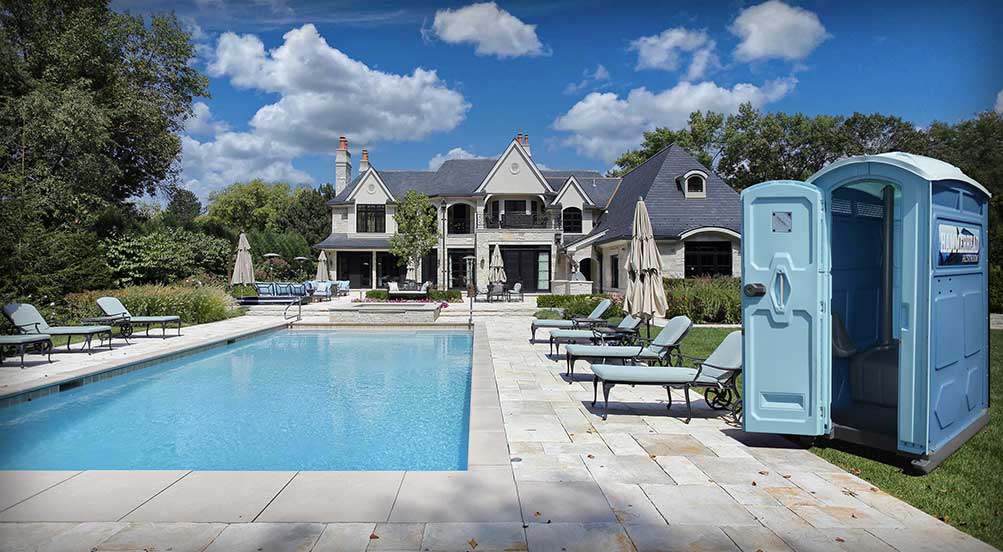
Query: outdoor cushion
<point x="344" y="285"/>
<point x="614" y="351"/>
<point x="26" y="317"/>
<point x="265" y="289"/>
<point x="628" y="323"/>
<point x="656" y="375"/>
<point x="76" y="330"/>
<point x="392" y="287"/>
<point x="21" y="339"/>
<point x="323" y="289"/>
<point x="145" y="319"/>
<point x="112" y="306"/>
<point x="553" y="323"/>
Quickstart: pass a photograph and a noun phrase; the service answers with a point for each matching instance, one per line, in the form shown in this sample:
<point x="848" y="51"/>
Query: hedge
<point x="449" y="295"/>
<point x="195" y="305"/>
<point x="995" y="288"/>
<point x="580" y="305"/>
<point x="705" y="300"/>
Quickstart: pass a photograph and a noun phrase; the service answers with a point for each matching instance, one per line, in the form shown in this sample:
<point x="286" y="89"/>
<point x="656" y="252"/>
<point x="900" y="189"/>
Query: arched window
<point x="694" y="184"/>
<point x="572" y="220"/>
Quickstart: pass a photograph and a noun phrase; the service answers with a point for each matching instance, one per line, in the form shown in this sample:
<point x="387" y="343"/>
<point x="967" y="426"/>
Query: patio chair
<point x="626" y="329"/>
<point x="344" y="286"/>
<point x="323" y="290"/>
<point x="516" y="290"/>
<point x="116" y="314"/>
<point x="27" y="320"/>
<point x="41" y="342"/>
<point x="593" y="319"/>
<point x="658" y="350"/>
<point x="719" y="372"/>
<point x="496" y="291"/>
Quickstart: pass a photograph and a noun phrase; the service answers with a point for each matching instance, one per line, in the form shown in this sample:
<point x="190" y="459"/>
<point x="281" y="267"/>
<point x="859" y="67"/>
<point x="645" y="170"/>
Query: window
<point x="371" y="218"/>
<point x="573" y="220"/>
<point x="694" y="185"/>
<point x="708" y="258"/>
<point x="515" y="206"/>
<point x="614" y="271"/>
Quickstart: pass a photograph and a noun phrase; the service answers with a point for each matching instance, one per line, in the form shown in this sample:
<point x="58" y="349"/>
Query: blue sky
<point x="416" y="82"/>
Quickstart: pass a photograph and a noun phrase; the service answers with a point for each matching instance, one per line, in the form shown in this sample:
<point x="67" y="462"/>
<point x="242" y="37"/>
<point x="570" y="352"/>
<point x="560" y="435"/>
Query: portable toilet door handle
<point x="781" y="289"/>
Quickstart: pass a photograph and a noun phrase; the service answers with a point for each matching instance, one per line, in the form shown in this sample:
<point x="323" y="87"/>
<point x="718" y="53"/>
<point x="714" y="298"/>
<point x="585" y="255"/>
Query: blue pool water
<point x="288" y="400"/>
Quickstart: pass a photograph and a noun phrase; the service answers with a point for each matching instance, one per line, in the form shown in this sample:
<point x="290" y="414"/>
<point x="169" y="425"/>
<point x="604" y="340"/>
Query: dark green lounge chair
<point x="116" y="313"/>
<point x="41" y="342"/>
<point x="718" y="372"/>
<point x="593" y="319"/>
<point x="656" y="351"/>
<point x="27" y="320"/>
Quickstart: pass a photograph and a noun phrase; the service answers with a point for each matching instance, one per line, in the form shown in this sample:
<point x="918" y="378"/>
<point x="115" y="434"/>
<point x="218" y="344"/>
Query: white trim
<point x="514" y="145"/>
<point x="685" y="184"/>
<point x="386" y="190"/>
<point x="579" y="244"/>
<point x="572" y="181"/>
<point x="705" y="229"/>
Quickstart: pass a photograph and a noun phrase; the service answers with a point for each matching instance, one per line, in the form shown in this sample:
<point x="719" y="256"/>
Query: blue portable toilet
<point x="865" y="306"/>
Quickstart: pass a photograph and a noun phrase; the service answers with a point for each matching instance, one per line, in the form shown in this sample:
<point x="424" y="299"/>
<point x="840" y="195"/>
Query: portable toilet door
<point x="784" y="297"/>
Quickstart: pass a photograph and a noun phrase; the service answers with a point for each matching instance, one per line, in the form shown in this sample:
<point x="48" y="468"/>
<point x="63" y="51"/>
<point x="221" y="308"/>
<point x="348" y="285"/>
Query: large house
<point x="547" y="222"/>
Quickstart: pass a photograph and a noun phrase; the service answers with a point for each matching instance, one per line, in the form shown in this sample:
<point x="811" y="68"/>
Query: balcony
<point x="460" y="226"/>
<point x="518" y="221"/>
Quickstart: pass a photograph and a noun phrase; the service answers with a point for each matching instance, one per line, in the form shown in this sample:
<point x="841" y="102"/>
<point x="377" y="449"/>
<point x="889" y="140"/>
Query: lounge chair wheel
<point x="718" y="399"/>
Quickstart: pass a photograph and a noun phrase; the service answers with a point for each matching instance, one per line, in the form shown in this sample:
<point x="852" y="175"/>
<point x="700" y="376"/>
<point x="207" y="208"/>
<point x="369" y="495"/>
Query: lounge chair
<point x="625" y="329"/>
<point x="116" y="313"/>
<point x="20" y="343"/>
<point x="719" y="371"/>
<point x="516" y="290"/>
<point x="27" y="320"/>
<point x="659" y="350"/>
<point x="593" y="319"/>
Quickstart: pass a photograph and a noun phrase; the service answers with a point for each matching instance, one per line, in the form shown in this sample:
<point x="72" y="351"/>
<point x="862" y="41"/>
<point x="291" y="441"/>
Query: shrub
<point x="195" y="305"/>
<point x="548" y="314"/>
<point x="580" y="305"/>
<point x="449" y="295"/>
<point x="378" y="294"/>
<point x="166" y="256"/>
<point x="995" y="288"/>
<point x="705" y="300"/>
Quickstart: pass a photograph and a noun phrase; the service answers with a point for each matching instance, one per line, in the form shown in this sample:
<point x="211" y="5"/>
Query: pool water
<point x="287" y="400"/>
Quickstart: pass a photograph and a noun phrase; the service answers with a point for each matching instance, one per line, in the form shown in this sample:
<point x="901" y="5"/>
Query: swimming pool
<point x="286" y="400"/>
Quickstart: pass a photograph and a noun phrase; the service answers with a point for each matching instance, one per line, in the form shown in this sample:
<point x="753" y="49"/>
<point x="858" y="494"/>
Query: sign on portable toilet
<point x="865" y="306"/>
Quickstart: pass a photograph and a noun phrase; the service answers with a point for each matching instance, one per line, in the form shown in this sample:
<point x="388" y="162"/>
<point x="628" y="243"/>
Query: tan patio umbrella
<point x="243" y="270"/>
<point x="322" y="274"/>
<point x="496" y="269"/>
<point x="645" y="296"/>
<point x="412" y="272"/>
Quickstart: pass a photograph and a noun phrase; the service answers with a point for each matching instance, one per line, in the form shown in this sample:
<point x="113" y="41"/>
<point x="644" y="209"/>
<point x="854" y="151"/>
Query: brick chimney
<point x="342" y="166"/>
<point x="525" y="144"/>
<point x="364" y="163"/>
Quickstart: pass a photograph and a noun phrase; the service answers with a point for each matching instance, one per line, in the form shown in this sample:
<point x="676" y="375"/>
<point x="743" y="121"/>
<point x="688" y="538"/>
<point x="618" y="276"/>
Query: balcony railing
<point x="519" y="221"/>
<point x="460" y="226"/>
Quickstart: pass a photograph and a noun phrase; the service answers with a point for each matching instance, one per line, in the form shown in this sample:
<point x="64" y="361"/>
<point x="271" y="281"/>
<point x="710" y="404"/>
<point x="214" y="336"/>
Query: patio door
<point x="785" y="303"/>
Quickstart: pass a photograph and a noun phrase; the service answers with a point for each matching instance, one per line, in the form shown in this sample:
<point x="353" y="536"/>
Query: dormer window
<point x="694" y="184"/>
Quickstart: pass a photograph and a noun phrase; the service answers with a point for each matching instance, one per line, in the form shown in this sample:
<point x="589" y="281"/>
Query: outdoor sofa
<point x="593" y="319"/>
<point x="408" y="290"/>
<point x="718" y="373"/>
<point x="116" y="314"/>
<point x="27" y="320"/>
<point x="659" y="350"/>
<point x="20" y="343"/>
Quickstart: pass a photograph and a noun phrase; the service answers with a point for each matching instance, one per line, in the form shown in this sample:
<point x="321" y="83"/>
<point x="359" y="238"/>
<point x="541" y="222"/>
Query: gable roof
<point x="671" y="213"/>
<point x="514" y="148"/>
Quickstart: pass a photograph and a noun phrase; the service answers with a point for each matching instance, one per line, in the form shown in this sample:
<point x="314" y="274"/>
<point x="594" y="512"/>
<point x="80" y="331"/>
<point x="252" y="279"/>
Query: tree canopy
<point x="417" y="228"/>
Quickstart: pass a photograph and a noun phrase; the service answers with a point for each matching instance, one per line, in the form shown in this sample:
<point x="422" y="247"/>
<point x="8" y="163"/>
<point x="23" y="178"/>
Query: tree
<point x="254" y="205"/>
<point x="417" y="228"/>
<point x="307" y="213"/>
<point x="702" y="138"/>
<point x="183" y="208"/>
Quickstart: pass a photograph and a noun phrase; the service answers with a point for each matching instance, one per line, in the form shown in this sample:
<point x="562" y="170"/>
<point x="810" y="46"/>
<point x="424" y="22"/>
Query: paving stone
<point x="623" y="444"/>
<point x="54" y="537"/>
<point x="672" y="445"/>
<point x="177" y="537"/>
<point x="796" y="532"/>
<point x="523" y="408"/>
<point x="824" y="516"/>
<point x="683" y="471"/>
<point x="397" y="536"/>
<point x="486" y="418"/>
<point x="730" y="451"/>
<point x="596" y="448"/>
<point x="551" y="468"/>
<point x="787" y="460"/>
<point x="578" y="537"/>
<point x="486" y="493"/>
<point x="19" y="485"/>
<point x="668" y="538"/>
<point x="93" y="496"/>
<point x="926" y="539"/>
<point x="756" y="539"/>
<point x="747" y="494"/>
<point x="267" y="537"/>
<point x="345" y="537"/>
<point x="571" y="501"/>
<point x="716" y="507"/>
<point x="626" y="469"/>
<point x="527" y="448"/>
<point x="630" y="504"/>
<point x="487" y="448"/>
<point x="214" y="496"/>
<point x="482" y="537"/>
<point x="537" y="427"/>
<point x="327" y="497"/>
<point x="739" y="471"/>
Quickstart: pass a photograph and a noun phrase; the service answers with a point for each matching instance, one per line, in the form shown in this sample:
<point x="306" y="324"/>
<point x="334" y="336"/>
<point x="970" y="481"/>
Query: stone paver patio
<point x="546" y="474"/>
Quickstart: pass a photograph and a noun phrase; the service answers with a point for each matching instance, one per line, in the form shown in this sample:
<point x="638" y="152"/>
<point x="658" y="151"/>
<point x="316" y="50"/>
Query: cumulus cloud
<point x="494" y="31"/>
<point x="456" y="153"/>
<point x="999" y="102"/>
<point x="604" y="125"/>
<point x="774" y="29"/>
<point x="202" y="121"/>
<point x="665" y="51"/>
<point x="322" y="94"/>
<point x="591" y="78"/>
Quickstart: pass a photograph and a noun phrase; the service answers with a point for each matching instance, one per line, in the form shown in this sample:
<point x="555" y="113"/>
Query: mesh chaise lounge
<point x="116" y="313"/>
<point x="627" y="328"/>
<point x="719" y="371"/>
<point x="27" y="320"/>
<point x="20" y="343"/>
<point x="658" y="350"/>
<point x="594" y="318"/>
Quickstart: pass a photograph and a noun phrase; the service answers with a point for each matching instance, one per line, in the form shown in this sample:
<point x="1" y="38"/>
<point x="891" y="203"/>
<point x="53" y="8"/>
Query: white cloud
<point x="233" y="157"/>
<point x="599" y="76"/>
<point x="493" y="30"/>
<point x="999" y="102"/>
<point x="605" y="125"/>
<point x="455" y="153"/>
<point x="665" y="51"/>
<point x="774" y="29"/>
<point x="202" y="121"/>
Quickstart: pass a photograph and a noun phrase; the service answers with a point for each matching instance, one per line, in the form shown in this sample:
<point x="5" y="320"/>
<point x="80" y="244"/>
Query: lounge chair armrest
<point x="20" y="326"/>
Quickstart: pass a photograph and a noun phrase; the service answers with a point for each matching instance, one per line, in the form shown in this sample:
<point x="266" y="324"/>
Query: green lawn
<point x="965" y="491"/>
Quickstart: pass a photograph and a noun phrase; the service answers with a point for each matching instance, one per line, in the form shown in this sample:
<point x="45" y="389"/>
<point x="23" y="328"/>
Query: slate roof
<point x="671" y="212"/>
<point x="353" y="241"/>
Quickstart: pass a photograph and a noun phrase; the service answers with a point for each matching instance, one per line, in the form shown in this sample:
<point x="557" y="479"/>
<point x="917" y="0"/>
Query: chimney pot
<point x="342" y="143"/>
<point x="525" y="139"/>
<point x="365" y="155"/>
<point x="518" y="138"/>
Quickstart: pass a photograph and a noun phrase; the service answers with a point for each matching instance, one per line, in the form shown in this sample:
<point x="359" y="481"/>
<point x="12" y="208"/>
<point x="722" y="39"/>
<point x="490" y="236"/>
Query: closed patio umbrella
<point x="322" y="274"/>
<point x="412" y="272"/>
<point x="645" y="297"/>
<point x="496" y="269"/>
<point x="243" y="270"/>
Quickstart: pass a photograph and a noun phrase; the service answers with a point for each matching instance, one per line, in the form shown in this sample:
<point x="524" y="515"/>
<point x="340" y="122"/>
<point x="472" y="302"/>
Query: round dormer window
<point x="372" y="188"/>
<point x="514" y="168"/>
